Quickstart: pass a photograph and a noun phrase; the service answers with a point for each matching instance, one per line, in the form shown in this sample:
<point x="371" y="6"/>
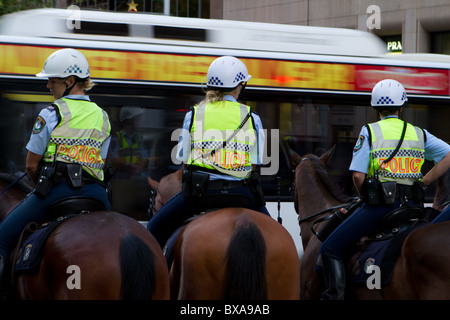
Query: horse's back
<point x="203" y="246"/>
<point x="89" y="247"/>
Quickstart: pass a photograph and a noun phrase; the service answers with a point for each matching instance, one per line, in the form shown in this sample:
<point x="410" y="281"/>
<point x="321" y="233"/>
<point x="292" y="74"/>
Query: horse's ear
<point x="294" y="158"/>
<point x="327" y="155"/>
<point x="290" y="154"/>
<point x="153" y="183"/>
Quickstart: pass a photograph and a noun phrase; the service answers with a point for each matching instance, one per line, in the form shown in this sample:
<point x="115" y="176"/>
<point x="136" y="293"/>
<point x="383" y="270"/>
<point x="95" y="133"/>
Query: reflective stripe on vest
<point x="129" y="153"/>
<point x="212" y="125"/>
<point x="79" y="136"/>
<point x="405" y="167"/>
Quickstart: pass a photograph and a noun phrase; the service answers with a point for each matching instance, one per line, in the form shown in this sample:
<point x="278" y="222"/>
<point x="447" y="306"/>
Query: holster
<point x="199" y="183"/>
<point x="186" y="183"/>
<point x="379" y="193"/>
<point x="370" y="191"/>
<point x="194" y="183"/>
<point x="388" y="192"/>
<point x="55" y="172"/>
<point x="74" y="174"/>
<point x="45" y="180"/>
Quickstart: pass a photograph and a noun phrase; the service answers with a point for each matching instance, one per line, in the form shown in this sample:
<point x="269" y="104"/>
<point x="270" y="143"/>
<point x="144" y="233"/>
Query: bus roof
<point x="159" y="29"/>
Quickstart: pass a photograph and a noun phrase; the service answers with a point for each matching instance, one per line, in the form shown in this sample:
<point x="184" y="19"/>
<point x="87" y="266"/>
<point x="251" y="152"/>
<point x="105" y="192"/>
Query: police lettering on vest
<point x="79" y="136"/>
<point x="405" y="167"/>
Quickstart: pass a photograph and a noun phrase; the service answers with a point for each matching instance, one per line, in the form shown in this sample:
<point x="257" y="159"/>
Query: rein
<point x="152" y="203"/>
<point x="301" y="220"/>
<point x="12" y="184"/>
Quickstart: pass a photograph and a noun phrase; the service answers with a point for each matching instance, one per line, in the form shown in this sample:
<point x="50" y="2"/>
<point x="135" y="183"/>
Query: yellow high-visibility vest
<point x="405" y="167"/>
<point x="212" y="125"/>
<point x="129" y="153"/>
<point x="79" y="136"/>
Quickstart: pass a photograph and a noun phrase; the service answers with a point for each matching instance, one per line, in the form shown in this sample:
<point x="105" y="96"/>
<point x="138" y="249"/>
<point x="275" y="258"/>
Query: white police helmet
<point x="129" y="112"/>
<point x="226" y="73"/>
<point x="388" y="93"/>
<point x="64" y="63"/>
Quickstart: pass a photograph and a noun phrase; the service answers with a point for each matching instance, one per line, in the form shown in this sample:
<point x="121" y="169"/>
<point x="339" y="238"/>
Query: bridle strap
<point x="301" y="220"/>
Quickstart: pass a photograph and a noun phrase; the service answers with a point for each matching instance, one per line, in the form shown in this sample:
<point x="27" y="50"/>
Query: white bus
<point x="312" y="84"/>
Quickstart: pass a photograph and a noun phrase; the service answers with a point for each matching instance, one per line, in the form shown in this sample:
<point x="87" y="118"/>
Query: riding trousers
<point x="179" y="208"/>
<point x="33" y="208"/>
<point x="361" y="223"/>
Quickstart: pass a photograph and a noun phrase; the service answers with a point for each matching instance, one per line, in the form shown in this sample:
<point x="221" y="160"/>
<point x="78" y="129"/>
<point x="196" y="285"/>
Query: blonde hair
<point x="213" y="96"/>
<point x="88" y="84"/>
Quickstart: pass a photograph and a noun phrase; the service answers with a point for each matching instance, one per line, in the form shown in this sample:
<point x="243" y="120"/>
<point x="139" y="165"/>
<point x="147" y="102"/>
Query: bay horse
<point x="117" y="258"/>
<point x="230" y="253"/>
<point x="421" y="271"/>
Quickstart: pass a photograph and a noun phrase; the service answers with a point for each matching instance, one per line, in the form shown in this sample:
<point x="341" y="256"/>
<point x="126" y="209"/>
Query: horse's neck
<point x="9" y="200"/>
<point x="316" y="196"/>
<point x="170" y="185"/>
<point x="313" y="197"/>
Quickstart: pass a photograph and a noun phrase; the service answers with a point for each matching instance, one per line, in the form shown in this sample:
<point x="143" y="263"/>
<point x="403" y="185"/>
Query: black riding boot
<point x="334" y="277"/>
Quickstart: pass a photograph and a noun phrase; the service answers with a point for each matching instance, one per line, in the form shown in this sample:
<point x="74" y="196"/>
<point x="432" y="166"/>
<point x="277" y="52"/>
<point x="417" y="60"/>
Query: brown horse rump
<point x="204" y="205"/>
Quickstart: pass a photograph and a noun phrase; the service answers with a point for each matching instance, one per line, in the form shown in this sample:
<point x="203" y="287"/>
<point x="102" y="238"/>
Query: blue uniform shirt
<point x="435" y="150"/>
<point x="46" y="123"/>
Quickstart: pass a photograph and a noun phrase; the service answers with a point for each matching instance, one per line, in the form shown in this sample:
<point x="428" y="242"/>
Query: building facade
<point x="180" y="8"/>
<point x="418" y="26"/>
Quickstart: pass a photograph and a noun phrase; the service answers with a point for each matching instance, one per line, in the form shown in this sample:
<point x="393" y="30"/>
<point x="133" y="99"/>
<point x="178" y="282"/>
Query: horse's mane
<point x="24" y="185"/>
<point x="327" y="180"/>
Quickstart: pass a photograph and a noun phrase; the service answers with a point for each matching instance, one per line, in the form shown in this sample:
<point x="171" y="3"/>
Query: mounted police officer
<point x="221" y="143"/>
<point x="387" y="160"/>
<point x="66" y="150"/>
<point x="127" y="153"/>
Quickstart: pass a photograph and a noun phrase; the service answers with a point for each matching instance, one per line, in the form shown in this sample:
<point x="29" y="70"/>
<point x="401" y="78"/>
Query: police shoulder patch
<point x="38" y="125"/>
<point x="359" y="143"/>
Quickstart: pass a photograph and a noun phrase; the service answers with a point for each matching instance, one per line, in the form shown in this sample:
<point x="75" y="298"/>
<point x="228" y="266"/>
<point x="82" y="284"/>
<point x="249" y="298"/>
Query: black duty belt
<point x="61" y="174"/>
<point x="226" y="184"/>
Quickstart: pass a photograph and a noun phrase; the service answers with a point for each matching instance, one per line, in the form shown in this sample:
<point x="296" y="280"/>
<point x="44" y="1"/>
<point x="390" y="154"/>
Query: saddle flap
<point x="383" y="248"/>
<point x="32" y="248"/>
